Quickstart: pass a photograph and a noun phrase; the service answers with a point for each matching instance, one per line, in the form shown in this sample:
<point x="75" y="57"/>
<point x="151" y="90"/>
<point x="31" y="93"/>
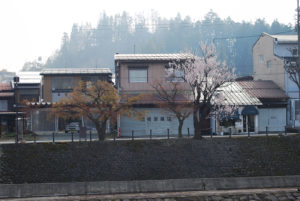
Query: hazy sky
<point x="33" y="28"/>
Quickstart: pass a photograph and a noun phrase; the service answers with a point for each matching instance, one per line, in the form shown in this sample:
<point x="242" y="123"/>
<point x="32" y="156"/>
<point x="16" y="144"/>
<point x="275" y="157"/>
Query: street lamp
<point x="16" y="81"/>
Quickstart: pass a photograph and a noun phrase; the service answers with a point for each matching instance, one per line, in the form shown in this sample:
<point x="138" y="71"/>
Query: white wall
<point x="273" y="118"/>
<point x="159" y="127"/>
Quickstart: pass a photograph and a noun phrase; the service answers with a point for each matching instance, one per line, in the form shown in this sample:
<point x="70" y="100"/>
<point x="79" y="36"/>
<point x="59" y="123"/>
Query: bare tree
<point x="205" y="75"/>
<point x="173" y="98"/>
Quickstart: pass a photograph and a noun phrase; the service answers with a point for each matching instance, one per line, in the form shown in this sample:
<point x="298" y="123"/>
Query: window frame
<point x="4" y="105"/>
<point x="61" y="79"/>
<point x="137" y="68"/>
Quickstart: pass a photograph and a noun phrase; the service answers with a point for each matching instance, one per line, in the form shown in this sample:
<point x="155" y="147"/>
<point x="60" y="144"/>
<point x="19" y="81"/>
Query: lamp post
<point x="16" y="80"/>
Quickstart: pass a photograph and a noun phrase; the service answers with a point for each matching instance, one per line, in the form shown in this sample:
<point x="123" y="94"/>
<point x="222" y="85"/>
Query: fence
<point x="168" y="133"/>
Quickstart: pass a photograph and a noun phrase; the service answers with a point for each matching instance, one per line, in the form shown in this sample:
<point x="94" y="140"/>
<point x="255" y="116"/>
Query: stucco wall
<point x="156" y="74"/>
<point x="265" y="46"/>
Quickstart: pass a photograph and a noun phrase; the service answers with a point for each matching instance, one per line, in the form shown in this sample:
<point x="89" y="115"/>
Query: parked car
<point x="72" y="127"/>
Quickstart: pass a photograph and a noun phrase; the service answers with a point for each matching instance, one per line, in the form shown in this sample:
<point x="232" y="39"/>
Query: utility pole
<point x="298" y="31"/>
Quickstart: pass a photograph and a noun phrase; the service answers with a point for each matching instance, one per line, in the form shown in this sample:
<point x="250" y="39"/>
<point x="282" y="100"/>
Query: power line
<point x="249" y="36"/>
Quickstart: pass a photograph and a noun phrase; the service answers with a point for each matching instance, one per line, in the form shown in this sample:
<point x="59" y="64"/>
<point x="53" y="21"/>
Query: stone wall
<point x="121" y="187"/>
<point x="150" y="160"/>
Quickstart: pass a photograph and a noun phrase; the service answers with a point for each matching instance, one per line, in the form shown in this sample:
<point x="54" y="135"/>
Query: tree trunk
<point x="197" y="127"/>
<point x="200" y="120"/>
<point x="180" y="128"/>
<point x="101" y="128"/>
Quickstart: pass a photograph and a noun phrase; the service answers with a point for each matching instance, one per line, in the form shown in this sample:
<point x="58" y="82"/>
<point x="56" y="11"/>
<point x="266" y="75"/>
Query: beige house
<point x="271" y="54"/>
<point x="137" y="74"/>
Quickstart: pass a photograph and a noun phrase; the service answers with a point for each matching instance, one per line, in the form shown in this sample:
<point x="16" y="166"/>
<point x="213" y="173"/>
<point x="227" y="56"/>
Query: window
<point x="162" y="118"/>
<point x="62" y="83"/>
<point x="295" y="52"/>
<point x="3" y="105"/>
<point x="148" y="118"/>
<point x="169" y="119"/>
<point x="269" y="64"/>
<point x="138" y="75"/>
<point x="155" y="118"/>
<point x="174" y="75"/>
<point x="261" y="58"/>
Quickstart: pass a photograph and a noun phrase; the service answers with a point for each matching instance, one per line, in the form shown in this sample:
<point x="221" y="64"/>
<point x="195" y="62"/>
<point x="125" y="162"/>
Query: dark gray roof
<point x="151" y="57"/>
<point x="65" y="71"/>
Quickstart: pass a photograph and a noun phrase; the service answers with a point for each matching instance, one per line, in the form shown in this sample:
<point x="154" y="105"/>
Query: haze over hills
<point x="88" y="46"/>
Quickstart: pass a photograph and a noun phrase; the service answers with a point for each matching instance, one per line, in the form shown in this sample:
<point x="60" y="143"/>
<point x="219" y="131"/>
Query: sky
<point x="33" y="28"/>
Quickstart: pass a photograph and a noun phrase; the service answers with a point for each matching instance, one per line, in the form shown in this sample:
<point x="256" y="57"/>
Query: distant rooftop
<point x="152" y="57"/>
<point x="64" y="71"/>
<point x="29" y="77"/>
<point x="284" y="38"/>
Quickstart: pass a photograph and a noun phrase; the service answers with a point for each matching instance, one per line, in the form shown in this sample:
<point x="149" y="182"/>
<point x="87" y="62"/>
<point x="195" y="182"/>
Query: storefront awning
<point x="249" y="110"/>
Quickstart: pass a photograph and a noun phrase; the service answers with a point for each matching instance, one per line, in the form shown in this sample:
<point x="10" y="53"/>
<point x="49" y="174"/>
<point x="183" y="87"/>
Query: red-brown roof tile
<point x="5" y="87"/>
<point x="264" y="89"/>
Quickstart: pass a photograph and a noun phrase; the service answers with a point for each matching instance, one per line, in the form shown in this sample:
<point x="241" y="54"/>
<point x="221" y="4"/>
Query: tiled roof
<point x="64" y="71"/>
<point x="152" y="98"/>
<point x="5" y="87"/>
<point x="264" y="89"/>
<point x="152" y="57"/>
<point x="6" y="94"/>
<point x="232" y="92"/>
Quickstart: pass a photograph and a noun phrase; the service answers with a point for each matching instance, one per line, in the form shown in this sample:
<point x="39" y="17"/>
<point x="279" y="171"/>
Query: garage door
<point x="273" y="118"/>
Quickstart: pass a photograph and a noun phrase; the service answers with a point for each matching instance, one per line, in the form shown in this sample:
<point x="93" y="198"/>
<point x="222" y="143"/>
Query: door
<point x="251" y="123"/>
<point x="248" y="123"/>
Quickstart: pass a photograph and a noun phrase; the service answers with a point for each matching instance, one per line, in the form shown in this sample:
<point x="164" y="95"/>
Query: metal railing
<point x="167" y="133"/>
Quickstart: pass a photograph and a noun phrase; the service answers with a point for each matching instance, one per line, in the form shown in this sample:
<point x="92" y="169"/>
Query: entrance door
<point x="249" y="123"/>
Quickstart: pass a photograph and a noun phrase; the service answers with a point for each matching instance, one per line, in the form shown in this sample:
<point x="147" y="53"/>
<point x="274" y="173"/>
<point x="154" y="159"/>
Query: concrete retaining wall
<point x="115" y="187"/>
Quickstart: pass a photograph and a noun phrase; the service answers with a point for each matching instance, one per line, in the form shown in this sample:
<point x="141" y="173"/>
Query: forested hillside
<point x="88" y="46"/>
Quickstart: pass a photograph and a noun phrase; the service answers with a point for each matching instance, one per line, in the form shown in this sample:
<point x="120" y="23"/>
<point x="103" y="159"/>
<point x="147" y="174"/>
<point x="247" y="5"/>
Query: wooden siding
<point x="47" y="88"/>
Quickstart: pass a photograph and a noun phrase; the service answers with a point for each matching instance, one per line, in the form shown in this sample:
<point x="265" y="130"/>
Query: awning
<point x="235" y="115"/>
<point x="249" y="110"/>
<point x="226" y="117"/>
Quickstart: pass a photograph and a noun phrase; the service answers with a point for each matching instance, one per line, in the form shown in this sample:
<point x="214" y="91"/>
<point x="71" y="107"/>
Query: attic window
<point x="261" y="58"/>
<point x="269" y="64"/>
